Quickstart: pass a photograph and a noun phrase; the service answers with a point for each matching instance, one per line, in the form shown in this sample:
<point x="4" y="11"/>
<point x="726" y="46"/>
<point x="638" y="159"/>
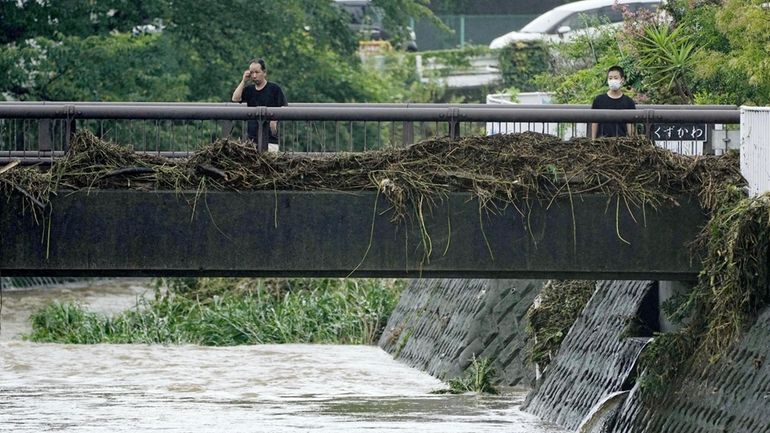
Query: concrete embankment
<point x="440" y="325"/>
<point x="596" y="357"/>
<point x="731" y="395"/>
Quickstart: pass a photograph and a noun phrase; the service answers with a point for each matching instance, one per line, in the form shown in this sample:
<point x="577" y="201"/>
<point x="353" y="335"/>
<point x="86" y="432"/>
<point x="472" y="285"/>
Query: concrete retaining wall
<point x="440" y="324"/>
<point x="596" y="357"/>
<point x="733" y="395"/>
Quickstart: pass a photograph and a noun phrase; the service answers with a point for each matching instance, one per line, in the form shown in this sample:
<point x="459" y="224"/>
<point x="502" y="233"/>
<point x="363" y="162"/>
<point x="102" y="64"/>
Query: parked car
<point x="566" y="21"/>
<point x="367" y="20"/>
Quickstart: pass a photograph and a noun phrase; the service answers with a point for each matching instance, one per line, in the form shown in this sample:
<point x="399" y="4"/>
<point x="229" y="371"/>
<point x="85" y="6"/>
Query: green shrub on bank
<point x="732" y="289"/>
<point x="226" y="312"/>
<point x="477" y="378"/>
<point x="560" y="305"/>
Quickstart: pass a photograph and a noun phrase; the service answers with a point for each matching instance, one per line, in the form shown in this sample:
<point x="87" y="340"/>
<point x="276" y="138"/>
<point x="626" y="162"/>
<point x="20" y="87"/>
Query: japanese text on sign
<point x="679" y="131"/>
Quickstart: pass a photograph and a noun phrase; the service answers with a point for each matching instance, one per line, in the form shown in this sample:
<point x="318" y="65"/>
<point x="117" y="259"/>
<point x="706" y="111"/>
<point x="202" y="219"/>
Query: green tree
<point x="579" y="68"/>
<point x="95" y="68"/>
<point x="708" y="52"/>
<point x="735" y="70"/>
<point x="295" y="42"/>
<point x="22" y="20"/>
<point x="399" y="12"/>
<point x="82" y="50"/>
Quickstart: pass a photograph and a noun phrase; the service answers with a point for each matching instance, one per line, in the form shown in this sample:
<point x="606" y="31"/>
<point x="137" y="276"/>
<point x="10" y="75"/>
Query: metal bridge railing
<point x="38" y="131"/>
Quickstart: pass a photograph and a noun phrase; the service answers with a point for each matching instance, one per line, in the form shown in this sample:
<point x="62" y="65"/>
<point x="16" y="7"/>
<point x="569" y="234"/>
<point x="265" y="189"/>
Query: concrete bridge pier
<point x="666" y="291"/>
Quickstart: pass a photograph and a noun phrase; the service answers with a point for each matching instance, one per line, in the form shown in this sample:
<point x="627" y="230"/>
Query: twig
<point x="32" y="198"/>
<point x="129" y="171"/>
<point x="210" y="169"/>
<point x="10" y="165"/>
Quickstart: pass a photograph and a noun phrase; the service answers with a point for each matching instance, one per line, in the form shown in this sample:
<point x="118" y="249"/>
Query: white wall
<point x="755" y="148"/>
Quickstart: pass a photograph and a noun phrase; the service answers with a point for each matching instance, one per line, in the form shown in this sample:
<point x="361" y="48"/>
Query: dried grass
<point x="499" y="170"/>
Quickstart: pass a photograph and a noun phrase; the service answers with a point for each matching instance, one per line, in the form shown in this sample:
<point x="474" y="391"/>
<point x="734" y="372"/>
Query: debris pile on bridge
<point x="497" y="169"/>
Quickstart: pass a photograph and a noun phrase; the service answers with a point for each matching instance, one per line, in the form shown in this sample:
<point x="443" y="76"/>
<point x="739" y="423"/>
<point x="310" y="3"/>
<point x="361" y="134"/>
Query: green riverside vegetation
<point x="478" y="377"/>
<point x="226" y="312"/>
<point x="700" y="52"/>
<point x="732" y="289"/>
<point x="561" y="302"/>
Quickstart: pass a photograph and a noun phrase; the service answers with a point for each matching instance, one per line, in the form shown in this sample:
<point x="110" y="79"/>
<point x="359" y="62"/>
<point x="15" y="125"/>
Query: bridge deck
<point x="284" y="233"/>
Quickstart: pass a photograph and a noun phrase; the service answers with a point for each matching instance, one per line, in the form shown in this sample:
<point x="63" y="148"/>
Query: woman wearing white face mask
<point x="614" y="99"/>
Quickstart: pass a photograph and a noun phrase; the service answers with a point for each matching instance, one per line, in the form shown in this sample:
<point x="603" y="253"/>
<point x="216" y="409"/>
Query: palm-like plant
<point x="667" y="57"/>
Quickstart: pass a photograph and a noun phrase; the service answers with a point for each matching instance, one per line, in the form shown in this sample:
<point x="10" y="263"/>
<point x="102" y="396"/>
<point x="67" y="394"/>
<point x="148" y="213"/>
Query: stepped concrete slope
<point x="732" y="395"/>
<point x="439" y="325"/>
<point x="596" y="357"/>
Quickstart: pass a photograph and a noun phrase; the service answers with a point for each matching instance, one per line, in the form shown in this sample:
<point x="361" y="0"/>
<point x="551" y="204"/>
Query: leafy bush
<point x="521" y="62"/>
<point x="706" y="52"/>
<point x="732" y="288"/>
<point x="225" y="312"/>
<point x="477" y="378"/>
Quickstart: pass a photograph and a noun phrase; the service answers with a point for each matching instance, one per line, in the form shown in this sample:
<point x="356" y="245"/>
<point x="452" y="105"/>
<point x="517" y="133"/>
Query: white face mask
<point x="614" y="84"/>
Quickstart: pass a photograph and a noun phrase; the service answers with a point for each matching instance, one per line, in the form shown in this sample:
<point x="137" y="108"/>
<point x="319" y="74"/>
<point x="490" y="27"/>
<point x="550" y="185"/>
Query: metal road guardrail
<point x="38" y="131"/>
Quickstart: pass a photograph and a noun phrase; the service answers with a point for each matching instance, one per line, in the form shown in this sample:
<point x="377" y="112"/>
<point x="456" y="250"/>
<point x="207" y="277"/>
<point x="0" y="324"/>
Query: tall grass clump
<point x="478" y="377"/>
<point x="226" y="312"/>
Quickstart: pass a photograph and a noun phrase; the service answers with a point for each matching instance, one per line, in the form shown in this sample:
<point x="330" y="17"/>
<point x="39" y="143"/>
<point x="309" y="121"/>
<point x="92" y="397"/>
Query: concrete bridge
<point x="337" y="234"/>
<point x="285" y="233"/>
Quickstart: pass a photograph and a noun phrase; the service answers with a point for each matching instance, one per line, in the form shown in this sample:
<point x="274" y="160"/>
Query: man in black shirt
<point x="614" y="99"/>
<point x="261" y="93"/>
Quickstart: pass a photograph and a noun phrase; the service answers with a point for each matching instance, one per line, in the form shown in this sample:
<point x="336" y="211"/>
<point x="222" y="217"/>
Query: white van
<point x="564" y="22"/>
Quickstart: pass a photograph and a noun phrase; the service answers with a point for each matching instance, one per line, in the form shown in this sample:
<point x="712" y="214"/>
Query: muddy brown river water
<point x="262" y="388"/>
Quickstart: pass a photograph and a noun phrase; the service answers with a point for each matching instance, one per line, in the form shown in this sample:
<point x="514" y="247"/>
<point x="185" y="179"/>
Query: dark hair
<point x="612" y="68"/>
<point x="261" y="63"/>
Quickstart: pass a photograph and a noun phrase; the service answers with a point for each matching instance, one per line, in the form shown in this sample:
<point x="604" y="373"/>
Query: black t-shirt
<point x="270" y="96"/>
<point x="605" y="102"/>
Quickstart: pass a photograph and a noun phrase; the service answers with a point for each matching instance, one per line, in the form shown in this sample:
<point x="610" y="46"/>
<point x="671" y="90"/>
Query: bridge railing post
<point x="408" y="134"/>
<point x="44" y="135"/>
<point x="648" y="123"/>
<point x="70" y="123"/>
<point x="227" y="128"/>
<point x="454" y="123"/>
<point x="262" y="122"/>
